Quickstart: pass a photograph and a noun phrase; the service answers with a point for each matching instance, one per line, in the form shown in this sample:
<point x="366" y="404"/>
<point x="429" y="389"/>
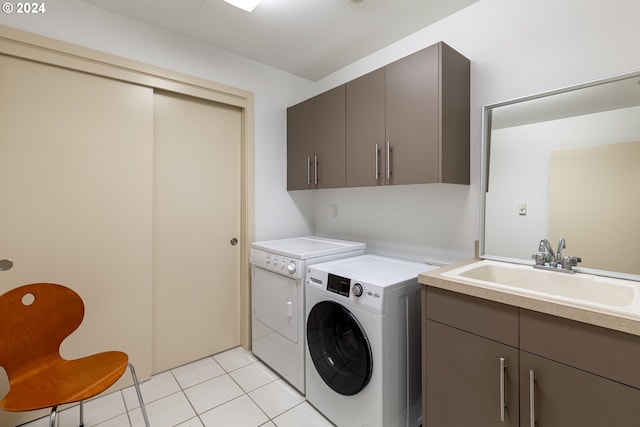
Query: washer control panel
<point x="358" y="293"/>
<point x="277" y="263"/>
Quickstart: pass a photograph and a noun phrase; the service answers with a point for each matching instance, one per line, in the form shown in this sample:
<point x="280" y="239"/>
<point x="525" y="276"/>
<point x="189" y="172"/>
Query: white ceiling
<point x="309" y="38"/>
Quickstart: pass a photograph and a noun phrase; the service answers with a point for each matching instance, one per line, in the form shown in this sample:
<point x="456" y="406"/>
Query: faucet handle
<point x="568" y="262"/>
<point x="539" y="258"/>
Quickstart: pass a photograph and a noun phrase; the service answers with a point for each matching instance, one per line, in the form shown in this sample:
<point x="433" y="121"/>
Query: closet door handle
<point x="5" y="264"/>
<point x="308" y="170"/>
<point x="315" y="170"/>
<point x="532" y="398"/>
<point x="388" y="160"/>
<point x="503" y="403"/>
<point x="377" y="161"/>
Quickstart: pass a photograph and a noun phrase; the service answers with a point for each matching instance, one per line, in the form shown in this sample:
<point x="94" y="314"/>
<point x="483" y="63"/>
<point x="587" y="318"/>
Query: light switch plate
<point x="522" y="209"/>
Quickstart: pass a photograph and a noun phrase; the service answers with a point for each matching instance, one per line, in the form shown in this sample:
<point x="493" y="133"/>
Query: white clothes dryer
<point x="278" y="270"/>
<point x="363" y="341"/>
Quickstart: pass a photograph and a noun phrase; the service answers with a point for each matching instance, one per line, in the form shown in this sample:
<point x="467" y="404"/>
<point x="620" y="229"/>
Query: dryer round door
<point x="339" y="348"/>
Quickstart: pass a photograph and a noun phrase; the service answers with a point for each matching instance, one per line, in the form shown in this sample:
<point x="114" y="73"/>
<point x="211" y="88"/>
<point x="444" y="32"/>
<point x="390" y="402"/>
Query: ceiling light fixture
<point x="247" y="5"/>
<point x="356" y="3"/>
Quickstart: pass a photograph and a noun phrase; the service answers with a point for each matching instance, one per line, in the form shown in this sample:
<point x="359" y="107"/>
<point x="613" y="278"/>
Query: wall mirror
<point x="566" y="164"/>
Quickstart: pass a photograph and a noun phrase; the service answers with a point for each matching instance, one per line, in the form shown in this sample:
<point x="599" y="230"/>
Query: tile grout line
<point x="270" y="419"/>
<point x="246" y="393"/>
<point x="228" y="373"/>
<point x="182" y="390"/>
<point x="256" y="403"/>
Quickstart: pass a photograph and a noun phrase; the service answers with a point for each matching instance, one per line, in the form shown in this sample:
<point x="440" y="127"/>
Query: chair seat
<point x="65" y="381"/>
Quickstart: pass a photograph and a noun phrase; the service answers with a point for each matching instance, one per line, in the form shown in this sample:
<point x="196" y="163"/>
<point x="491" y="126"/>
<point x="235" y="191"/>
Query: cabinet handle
<point x="308" y="170"/>
<point x="315" y="170"/>
<point x="388" y="160"/>
<point x="503" y="403"/>
<point x="532" y="398"/>
<point x="377" y="160"/>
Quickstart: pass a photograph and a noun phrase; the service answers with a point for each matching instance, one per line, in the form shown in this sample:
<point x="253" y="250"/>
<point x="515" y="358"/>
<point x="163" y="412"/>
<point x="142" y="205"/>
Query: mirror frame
<point x="487" y="111"/>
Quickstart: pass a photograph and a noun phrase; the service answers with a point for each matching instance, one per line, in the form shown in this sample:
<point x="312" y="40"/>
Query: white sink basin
<point x="582" y="289"/>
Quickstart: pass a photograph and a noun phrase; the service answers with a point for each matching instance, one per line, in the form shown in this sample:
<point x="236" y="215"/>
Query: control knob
<point x="357" y="290"/>
<point x="291" y="268"/>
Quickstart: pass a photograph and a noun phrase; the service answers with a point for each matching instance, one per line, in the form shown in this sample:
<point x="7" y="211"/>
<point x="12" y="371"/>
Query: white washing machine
<point x="278" y="270"/>
<point x="363" y="336"/>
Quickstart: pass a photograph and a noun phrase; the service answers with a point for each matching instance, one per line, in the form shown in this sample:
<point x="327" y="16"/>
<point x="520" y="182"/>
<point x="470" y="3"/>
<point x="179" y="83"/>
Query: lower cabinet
<point x="472" y="381"/>
<point x="554" y="373"/>
<point x="554" y="394"/>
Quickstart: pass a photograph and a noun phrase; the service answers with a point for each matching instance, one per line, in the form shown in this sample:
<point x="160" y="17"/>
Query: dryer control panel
<point x="277" y="263"/>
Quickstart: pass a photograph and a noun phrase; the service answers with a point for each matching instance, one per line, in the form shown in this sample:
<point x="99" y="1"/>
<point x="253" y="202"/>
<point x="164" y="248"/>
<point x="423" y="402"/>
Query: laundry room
<point x="196" y="258"/>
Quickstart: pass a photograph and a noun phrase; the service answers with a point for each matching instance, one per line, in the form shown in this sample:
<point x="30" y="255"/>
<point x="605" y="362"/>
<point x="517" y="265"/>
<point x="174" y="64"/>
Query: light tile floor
<point x="231" y="388"/>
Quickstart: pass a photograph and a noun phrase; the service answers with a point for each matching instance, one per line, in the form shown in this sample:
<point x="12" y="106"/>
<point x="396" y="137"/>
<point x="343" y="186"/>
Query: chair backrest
<point x="34" y="320"/>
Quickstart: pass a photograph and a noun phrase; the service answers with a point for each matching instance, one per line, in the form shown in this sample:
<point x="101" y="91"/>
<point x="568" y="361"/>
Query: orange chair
<point x="34" y="320"/>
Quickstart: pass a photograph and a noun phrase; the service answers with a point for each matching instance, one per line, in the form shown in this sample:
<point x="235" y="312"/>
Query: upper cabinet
<point x="316" y="142"/>
<point x="427" y="117"/>
<point x="405" y="123"/>
<point x="408" y="123"/>
<point x="366" y="142"/>
<point x="300" y="145"/>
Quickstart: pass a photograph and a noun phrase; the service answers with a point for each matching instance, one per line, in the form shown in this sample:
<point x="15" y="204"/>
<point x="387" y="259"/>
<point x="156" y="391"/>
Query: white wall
<point x="516" y="48"/>
<point x="278" y="214"/>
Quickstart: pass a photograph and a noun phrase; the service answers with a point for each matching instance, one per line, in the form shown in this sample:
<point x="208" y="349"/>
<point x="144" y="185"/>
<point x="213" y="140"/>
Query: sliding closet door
<point x="76" y="200"/>
<point x="196" y="266"/>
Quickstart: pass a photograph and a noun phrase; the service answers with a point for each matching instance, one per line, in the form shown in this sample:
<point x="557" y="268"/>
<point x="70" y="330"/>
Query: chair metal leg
<point x="52" y="417"/>
<point x="136" y="384"/>
<point x="81" y="413"/>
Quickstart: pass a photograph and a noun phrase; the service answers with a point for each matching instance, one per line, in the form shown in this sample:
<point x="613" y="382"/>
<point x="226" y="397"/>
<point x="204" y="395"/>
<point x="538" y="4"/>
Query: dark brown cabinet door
<point x="427" y="117"/>
<point x="569" y="397"/>
<point x="300" y="145"/>
<point x="412" y="117"/>
<point x="464" y="379"/>
<point x="329" y="157"/>
<point x="366" y="165"/>
<point x="316" y="142"/>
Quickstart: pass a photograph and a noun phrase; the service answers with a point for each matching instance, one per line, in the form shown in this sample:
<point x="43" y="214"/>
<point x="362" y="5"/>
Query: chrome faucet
<point x="545" y="248"/>
<point x="561" y="245"/>
<point x="547" y="259"/>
